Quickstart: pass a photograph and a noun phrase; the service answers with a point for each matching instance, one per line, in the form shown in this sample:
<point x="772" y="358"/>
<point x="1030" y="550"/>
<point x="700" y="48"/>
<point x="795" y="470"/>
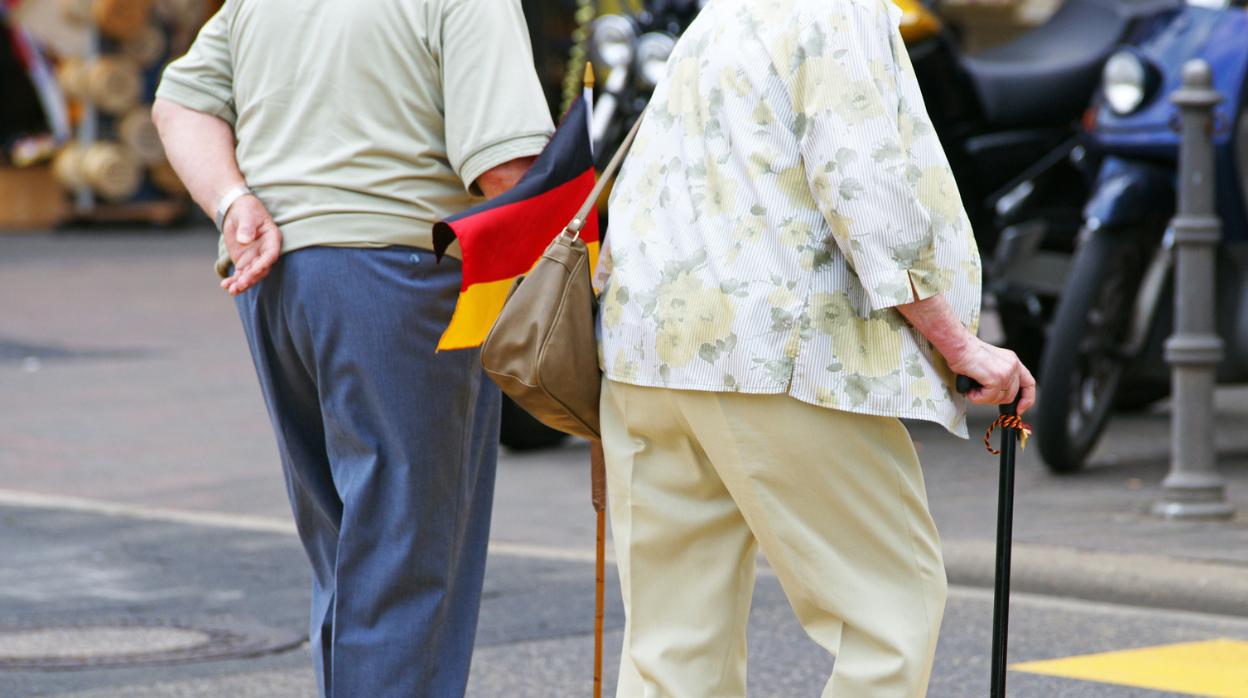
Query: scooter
<point x="1105" y="349"/>
<point x="1008" y="118"/>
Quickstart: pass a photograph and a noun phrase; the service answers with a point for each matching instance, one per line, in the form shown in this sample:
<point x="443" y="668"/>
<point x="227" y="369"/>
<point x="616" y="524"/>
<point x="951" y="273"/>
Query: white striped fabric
<point x="785" y="192"/>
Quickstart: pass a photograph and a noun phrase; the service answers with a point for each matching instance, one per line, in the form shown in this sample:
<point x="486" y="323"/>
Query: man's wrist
<point x="227" y="200"/>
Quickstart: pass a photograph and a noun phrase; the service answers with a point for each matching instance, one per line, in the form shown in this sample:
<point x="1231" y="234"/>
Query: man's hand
<point x="201" y="149"/>
<point x="253" y="241"/>
<point x="1000" y="373"/>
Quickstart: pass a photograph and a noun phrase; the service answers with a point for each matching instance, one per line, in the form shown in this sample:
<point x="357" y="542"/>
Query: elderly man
<point x="335" y="134"/>
<point x="790" y="271"/>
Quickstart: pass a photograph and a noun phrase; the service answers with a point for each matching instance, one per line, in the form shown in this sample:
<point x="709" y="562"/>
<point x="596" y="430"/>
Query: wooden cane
<point x="598" y="484"/>
<point x="1012" y="428"/>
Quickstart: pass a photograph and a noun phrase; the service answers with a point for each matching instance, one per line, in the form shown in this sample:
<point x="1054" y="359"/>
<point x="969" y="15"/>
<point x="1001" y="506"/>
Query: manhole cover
<point x="103" y="643"/>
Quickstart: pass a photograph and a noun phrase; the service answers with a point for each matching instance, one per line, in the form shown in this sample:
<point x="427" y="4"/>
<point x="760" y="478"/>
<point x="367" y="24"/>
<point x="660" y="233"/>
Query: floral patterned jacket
<point x="786" y="191"/>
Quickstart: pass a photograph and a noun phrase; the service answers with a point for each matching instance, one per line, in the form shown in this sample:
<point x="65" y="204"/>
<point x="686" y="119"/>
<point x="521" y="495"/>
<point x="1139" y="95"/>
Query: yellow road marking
<point x="1216" y="668"/>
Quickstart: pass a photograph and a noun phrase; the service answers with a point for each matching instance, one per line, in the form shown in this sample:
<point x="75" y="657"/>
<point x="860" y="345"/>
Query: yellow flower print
<point x="859" y="102"/>
<point x="643" y="223"/>
<point x="721" y="191"/>
<point x="613" y="306"/>
<point x="690" y="315"/>
<point x="938" y="192"/>
<point x="733" y="81"/>
<point x="819" y="84"/>
<point x="793" y="182"/>
<point x="683" y="99"/>
<point x="794" y="233"/>
<point x="921" y="389"/>
<point x="781" y="297"/>
<point x="869" y="347"/>
<point x="883" y="76"/>
<point x="623" y="369"/>
<point x="645" y="189"/>
<point x="826" y="398"/>
<point x="784" y="50"/>
<point x="905" y="129"/>
<point x="763" y="115"/>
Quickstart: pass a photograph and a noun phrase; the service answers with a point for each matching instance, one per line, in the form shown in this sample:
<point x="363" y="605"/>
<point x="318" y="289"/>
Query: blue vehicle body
<point x="1140" y="149"/>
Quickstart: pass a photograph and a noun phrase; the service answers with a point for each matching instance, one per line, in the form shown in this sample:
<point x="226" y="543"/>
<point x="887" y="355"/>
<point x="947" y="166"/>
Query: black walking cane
<point x="1012" y="428"/>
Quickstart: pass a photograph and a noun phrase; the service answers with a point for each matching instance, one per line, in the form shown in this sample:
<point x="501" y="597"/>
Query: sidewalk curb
<point x="1151" y="581"/>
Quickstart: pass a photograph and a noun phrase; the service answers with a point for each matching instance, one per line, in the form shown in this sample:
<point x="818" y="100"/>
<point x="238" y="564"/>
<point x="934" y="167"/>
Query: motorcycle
<point x="1116" y="310"/>
<point x="1009" y="119"/>
<point x="631" y="50"/>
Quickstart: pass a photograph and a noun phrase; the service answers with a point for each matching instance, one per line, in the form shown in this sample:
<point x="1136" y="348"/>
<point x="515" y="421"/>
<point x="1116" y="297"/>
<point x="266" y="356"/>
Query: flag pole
<point x="588" y="95"/>
<point x="597" y="461"/>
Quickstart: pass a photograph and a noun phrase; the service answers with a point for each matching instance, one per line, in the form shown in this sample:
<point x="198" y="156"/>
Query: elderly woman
<point x="790" y="271"/>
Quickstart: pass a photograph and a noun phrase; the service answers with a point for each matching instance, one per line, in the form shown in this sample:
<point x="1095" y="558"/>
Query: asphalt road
<point x="139" y="486"/>
<point x="67" y="566"/>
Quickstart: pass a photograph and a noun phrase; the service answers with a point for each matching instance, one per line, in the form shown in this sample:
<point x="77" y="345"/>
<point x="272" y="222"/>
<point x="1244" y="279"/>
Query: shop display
<point x="76" y="84"/>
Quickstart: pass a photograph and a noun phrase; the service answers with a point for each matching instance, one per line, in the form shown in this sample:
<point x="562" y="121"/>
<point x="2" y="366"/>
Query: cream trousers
<point x="699" y="481"/>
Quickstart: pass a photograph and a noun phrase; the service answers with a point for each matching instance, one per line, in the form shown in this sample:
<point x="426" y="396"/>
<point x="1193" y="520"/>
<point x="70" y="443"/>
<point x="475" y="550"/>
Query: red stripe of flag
<point x="519" y="232"/>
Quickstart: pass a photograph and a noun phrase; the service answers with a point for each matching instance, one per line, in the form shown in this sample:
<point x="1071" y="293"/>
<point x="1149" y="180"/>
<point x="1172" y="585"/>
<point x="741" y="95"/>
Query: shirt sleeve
<point x="495" y="110"/>
<point x="846" y="104"/>
<point x="203" y="79"/>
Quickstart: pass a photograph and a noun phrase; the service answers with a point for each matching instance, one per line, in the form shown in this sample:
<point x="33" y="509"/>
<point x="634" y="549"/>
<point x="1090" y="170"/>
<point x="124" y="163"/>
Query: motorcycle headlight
<point x="653" y="50"/>
<point x="611" y="41"/>
<point x="1125" y="82"/>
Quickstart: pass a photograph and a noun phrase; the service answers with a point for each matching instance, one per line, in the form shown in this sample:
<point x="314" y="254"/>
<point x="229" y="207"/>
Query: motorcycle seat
<point x="1048" y="75"/>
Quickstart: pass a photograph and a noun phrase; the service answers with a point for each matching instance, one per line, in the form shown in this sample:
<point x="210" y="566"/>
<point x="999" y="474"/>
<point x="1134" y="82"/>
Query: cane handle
<point x="966" y="384"/>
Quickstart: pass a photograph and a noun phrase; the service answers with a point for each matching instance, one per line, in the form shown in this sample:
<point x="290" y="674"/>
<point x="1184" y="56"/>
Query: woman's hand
<point x="999" y="372"/>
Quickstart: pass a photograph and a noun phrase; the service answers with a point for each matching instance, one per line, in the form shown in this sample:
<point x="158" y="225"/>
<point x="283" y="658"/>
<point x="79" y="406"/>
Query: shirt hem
<point x="796" y="395"/>
<point x="346" y="230"/>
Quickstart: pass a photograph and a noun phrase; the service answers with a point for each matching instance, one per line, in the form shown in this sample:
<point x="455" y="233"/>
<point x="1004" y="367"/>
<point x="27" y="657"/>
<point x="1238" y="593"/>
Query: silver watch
<point x="227" y="200"/>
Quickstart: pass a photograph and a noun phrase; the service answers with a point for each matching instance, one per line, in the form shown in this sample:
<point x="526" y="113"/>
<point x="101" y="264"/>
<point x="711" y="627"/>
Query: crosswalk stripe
<point x="1213" y="668"/>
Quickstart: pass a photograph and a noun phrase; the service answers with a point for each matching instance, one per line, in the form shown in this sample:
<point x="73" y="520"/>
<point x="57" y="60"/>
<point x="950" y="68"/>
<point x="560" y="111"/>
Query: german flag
<point x="504" y="237"/>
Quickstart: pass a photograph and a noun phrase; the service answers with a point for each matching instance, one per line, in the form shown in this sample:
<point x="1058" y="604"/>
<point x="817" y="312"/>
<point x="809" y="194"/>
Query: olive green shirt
<point x="363" y="122"/>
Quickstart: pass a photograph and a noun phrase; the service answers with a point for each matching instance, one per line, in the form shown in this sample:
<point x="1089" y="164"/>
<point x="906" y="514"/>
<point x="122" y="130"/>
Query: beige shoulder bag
<point x="542" y="350"/>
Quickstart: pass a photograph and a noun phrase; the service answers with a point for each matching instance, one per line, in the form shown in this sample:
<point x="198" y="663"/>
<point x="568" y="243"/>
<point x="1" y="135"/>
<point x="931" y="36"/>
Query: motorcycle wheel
<point x="520" y="431"/>
<point x="1083" y="365"/>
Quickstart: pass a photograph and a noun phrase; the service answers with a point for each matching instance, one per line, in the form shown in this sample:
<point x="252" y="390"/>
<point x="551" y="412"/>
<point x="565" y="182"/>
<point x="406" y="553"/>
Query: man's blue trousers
<point x="389" y="452"/>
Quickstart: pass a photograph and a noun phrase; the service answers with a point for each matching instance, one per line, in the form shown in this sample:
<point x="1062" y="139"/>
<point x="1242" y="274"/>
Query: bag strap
<point x="574" y="226"/>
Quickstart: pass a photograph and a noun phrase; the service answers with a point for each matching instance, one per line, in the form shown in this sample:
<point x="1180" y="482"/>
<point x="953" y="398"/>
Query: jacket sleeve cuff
<point x="889" y="282"/>
<point x="196" y="99"/>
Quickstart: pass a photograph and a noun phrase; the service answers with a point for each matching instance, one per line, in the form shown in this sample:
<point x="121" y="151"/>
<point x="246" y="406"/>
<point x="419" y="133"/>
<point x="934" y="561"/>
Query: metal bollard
<point x="1194" y="488"/>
